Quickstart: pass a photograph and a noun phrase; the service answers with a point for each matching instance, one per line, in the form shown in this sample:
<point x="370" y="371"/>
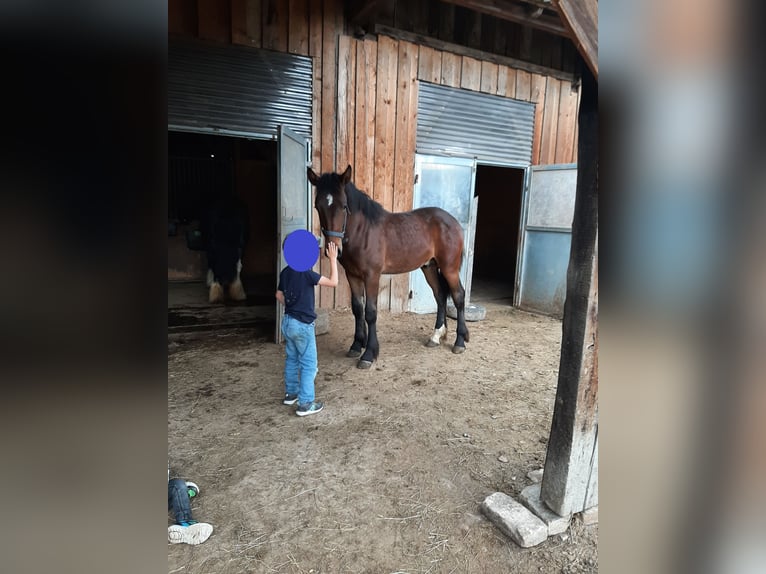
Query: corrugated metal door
<point x="293" y="198"/>
<point x="236" y="90"/>
<point x="546" y="238"/>
<point x="447" y="183"/>
<point x="454" y="122"/>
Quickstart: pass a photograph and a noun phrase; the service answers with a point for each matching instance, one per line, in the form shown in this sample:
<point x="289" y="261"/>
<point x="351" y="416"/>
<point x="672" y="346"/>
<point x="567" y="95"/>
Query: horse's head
<point x="331" y="203"/>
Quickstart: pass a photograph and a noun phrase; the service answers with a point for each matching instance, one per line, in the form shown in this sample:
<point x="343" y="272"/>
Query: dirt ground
<point x="390" y="476"/>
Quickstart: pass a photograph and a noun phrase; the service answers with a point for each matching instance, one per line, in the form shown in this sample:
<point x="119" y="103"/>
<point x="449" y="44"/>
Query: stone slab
<point x="590" y="515"/>
<point x="514" y="520"/>
<point x="322" y="323"/>
<point x="535" y="475"/>
<point x="530" y="497"/>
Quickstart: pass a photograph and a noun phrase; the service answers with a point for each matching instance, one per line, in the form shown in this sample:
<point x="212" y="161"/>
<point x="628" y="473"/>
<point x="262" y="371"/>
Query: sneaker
<point x="192" y="488"/>
<point x="290" y="399"/>
<point x="309" y="408"/>
<point x="193" y="534"/>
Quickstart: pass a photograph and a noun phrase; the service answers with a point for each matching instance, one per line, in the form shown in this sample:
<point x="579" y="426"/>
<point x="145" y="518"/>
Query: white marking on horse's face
<point x="329" y="200"/>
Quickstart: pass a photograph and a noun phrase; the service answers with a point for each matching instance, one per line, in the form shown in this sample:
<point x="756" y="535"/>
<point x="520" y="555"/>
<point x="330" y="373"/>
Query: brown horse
<point x="372" y="241"/>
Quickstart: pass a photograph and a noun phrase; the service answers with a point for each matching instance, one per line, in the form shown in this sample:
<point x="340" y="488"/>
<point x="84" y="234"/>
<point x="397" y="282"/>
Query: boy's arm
<point x="332" y="253"/>
<point x="280" y="297"/>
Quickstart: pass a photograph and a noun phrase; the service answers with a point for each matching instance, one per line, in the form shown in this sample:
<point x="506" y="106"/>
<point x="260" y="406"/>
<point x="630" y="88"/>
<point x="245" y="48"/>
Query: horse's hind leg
<point x="357" y="306"/>
<point x="458" y="297"/>
<point x="437" y="285"/>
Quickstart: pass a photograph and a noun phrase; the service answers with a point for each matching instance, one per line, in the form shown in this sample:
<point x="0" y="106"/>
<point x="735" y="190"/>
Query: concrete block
<point x="322" y="323"/>
<point x="530" y="497"/>
<point x="535" y="475"/>
<point x="590" y="515"/>
<point x="514" y="520"/>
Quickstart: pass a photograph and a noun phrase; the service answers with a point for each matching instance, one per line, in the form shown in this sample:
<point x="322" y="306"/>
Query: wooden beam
<point x="471" y="52"/>
<point x="581" y="19"/>
<point x="569" y="482"/>
<point x="507" y="10"/>
<point x="362" y="13"/>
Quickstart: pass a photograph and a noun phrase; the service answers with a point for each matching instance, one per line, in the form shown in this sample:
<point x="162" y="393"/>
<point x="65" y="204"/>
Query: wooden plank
<point x="275" y="31"/>
<point x="332" y="25"/>
<point x="471" y="52"/>
<point x="345" y="117"/>
<point x="298" y="27"/>
<point x="471" y="74"/>
<point x="246" y="22"/>
<point x="429" y="65"/>
<point x="550" y="122"/>
<point x="537" y="96"/>
<point x="385" y="137"/>
<point x="214" y="20"/>
<point x="472" y="37"/>
<point x="515" y="12"/>
<point x="565" y="141"/>
<point x="385" y="121"/>
<point x="451" y="69"/>
<point x="404" y="161"/>
<point x="364" y="132"/>
<point x="315" y="51"/>
<point x="523" y="85"/>
<point x="489" y="78"/>
<point x="572" y="454"/>
<point x="577" y="128"/>
<point x="182" y="18"/>
<point x="581" y="20"/>
<point x="446" y="22"/>
<point x="506" y="82"/>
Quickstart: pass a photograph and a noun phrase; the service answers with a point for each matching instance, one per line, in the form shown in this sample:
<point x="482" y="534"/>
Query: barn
<point x="485" y="108"/>
<point x="467" y="105"/>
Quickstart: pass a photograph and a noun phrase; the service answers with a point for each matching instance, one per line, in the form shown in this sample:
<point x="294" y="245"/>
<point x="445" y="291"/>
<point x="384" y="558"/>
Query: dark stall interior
<point x="202" y="167"/>
<point x="500" y="191"/>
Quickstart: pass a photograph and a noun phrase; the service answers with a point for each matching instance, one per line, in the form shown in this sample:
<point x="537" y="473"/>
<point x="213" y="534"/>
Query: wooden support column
<point x="570" y="479"/>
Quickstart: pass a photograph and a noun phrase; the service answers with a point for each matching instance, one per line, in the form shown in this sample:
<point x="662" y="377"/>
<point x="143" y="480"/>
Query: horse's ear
<point x="313" y="178"/>
<point x="346" y="177"/>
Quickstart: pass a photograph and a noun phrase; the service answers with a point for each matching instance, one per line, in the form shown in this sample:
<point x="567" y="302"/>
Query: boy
<point x="186" y="530"/>
<point x="296" y="292"/>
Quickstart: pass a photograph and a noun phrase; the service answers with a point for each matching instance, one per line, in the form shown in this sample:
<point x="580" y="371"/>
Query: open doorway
<point x="500" y="191"/>
<point x="201" y="169"/>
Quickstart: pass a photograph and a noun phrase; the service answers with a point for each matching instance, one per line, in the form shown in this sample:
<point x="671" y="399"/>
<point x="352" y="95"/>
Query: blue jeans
<point x="178" y="500"/>
<point x="301" y="360"/>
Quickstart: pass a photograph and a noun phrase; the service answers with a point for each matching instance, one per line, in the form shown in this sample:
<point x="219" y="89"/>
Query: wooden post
<point x="570" y="479"/>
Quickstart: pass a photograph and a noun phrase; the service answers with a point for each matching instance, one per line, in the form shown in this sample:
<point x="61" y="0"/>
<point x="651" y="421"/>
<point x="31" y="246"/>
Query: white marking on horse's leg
<point x="239" y="267"/>
<point x="439" y="334"/>
<point x="329" y="199"/>
<point x="210" y="278"/>
<point x="237" y="291"/>
<point x="216" y="293"/>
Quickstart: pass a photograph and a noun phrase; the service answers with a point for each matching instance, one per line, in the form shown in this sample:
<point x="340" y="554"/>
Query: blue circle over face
<point x="301" y="250"/>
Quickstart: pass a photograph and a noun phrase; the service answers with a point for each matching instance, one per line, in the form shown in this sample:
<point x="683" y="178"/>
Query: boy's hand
<point x="332" y="251"/>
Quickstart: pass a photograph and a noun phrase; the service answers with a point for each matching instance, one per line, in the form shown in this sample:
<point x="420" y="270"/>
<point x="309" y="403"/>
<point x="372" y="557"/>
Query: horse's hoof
<point x="364" y="364"/>
<point x="457" y="350"/>
<point x="431" y="343"/>
<point x="354" y="354"/>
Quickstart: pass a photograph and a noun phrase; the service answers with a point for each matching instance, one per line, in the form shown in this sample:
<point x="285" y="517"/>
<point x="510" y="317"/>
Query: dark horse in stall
<point x="227" y="230"/>
<point x="372" y="241"/>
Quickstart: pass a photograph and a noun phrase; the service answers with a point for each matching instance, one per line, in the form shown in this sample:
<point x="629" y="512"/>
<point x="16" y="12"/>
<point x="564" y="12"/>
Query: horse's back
<point x="415" y="237"/>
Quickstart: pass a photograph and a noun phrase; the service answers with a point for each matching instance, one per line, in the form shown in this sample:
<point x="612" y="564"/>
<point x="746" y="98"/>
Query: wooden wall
<point x="365" y="98"/>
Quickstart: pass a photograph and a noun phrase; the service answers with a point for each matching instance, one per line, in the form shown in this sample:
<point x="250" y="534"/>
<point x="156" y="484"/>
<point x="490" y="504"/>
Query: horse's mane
<point x="359" y="201"/>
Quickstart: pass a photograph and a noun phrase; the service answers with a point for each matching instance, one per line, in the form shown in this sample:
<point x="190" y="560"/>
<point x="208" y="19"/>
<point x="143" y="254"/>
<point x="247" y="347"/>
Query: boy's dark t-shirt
<point x="298" y="287"/>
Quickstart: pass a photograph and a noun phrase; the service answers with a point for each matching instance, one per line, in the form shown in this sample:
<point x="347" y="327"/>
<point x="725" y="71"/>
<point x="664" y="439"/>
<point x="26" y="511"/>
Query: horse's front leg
<point x="357" y="306"/>
<point x="371" y="317"/>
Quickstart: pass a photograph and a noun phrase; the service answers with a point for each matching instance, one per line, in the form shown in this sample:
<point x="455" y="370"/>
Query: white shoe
<point x="192" y="534"/>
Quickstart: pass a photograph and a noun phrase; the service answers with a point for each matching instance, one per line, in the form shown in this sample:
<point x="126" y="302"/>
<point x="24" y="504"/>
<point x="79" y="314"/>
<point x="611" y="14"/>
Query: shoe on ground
<point x="192" y="488"/>
<point x="290" y="399"/>
<point x="192" y="534"/>
<point x="309" y="408"/>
